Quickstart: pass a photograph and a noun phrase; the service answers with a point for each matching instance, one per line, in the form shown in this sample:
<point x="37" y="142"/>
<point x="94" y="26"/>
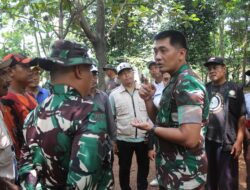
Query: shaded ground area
<point x="133" y="171"/>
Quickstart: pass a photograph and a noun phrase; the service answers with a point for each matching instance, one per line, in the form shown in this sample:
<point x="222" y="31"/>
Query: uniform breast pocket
<point x="122" y="110"/>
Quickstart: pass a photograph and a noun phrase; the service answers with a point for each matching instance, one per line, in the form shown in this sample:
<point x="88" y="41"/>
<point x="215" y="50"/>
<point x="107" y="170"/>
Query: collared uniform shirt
<point x="102" y="99"/>
<point x="125" y="108"/>
<point x="65" y="144"/>
<point x="184" y="100"/>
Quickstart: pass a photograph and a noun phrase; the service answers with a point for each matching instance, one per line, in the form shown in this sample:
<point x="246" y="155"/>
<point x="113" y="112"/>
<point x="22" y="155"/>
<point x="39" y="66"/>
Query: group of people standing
<point x="66" y="138"/>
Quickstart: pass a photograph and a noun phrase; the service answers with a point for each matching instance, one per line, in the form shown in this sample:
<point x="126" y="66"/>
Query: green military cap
<point x="109" y="67"/>
<point x="65" y="53"/>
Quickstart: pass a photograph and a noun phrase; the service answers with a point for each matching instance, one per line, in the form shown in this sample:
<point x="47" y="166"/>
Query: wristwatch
<point x="152" y="130"/>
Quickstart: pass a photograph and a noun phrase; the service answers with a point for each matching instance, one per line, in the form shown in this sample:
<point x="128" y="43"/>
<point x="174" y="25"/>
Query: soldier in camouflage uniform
<point x="181" y="120"/>
<point x="102" y="99"/>
<point x="65" y="136"/>
<point x="111" y="80"/>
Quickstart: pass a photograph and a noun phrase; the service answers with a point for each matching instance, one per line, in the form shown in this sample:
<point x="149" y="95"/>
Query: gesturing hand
<point x="141" y="125"/>
<point x="147" y="91"/>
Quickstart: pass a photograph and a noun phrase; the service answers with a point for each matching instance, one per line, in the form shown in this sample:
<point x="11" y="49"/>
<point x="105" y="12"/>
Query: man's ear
<point x="183" y="53"/>
<point x="78" y="71"/>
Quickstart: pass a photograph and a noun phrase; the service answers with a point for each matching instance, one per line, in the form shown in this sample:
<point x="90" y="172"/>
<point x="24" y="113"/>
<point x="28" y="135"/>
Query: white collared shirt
<point x="158" y="93"/>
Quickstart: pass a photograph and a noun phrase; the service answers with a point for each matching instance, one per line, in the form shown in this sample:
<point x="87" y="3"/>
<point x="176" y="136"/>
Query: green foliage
<point x="130" y="26"/>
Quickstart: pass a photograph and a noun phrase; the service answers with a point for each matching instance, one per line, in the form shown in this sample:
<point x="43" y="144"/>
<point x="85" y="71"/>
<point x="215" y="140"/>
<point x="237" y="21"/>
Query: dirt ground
<point x="242" y="171"/>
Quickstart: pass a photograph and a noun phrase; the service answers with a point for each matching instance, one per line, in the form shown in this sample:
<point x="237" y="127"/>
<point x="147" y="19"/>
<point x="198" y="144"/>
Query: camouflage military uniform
<point x="65" y="146"/>
<point x="178" y="167"/>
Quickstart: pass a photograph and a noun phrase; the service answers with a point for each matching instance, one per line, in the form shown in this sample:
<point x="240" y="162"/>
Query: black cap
<point x="150" y="63"/>
<point x="214" y="60"/>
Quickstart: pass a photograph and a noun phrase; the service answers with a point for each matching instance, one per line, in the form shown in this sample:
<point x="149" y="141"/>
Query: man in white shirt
<point x="126" y="106"/>
<point x="158" y="83"/>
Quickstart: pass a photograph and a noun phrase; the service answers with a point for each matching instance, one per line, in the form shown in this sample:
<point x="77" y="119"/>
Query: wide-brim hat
<point x="214" y="61"/>
<point x="65" y="53"/>
<point x="122" y="66"/>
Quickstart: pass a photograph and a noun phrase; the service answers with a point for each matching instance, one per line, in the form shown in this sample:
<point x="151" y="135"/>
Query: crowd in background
<point x="66" y="136"/>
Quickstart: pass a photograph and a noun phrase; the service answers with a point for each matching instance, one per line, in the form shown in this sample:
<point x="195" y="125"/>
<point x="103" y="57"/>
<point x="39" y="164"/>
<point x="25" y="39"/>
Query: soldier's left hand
<point x="236" y="149"/>
<point x="141" y="125"/>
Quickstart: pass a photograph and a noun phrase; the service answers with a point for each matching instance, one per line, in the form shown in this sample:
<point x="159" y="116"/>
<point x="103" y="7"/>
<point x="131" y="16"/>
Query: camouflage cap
<point x="65" y="53"/>
<point x="109" y="67"/>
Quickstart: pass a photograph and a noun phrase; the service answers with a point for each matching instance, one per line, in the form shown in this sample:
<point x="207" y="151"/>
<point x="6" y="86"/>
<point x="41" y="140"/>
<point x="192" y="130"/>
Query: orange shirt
<point x="15" y="109"/>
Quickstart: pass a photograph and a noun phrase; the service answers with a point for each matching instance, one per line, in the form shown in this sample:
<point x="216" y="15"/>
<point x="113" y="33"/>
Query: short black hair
<point x="176" y="38"/>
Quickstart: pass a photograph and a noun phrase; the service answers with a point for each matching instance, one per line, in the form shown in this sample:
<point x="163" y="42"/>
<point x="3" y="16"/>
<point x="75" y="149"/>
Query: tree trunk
<point x="100" y="52"/>
<point x="221" y="31"/>
<point x="60" y="32"/>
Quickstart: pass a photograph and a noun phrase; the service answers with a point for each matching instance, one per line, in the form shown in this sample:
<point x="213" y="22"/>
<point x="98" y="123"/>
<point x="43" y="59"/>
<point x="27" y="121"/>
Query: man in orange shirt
<point x="17" y="102"/>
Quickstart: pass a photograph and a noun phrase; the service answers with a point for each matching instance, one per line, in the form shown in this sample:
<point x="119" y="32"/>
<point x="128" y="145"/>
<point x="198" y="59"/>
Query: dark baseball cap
<point x="109" y="67"/>
<point x="150" y="63"/>
<point x="215" y="61"/>
<point x="65" y="53"/>
<point x="12" y="59"/>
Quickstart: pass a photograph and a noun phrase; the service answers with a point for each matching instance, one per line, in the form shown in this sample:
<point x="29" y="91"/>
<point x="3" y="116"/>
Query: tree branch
<point x="100" y="19"/>
<point x="116" y="20"/>
<point x="41" y="39"/>
<point x="83" y="22"/>
<point x="68" y="25"/>
<point x="86" y="6"/>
